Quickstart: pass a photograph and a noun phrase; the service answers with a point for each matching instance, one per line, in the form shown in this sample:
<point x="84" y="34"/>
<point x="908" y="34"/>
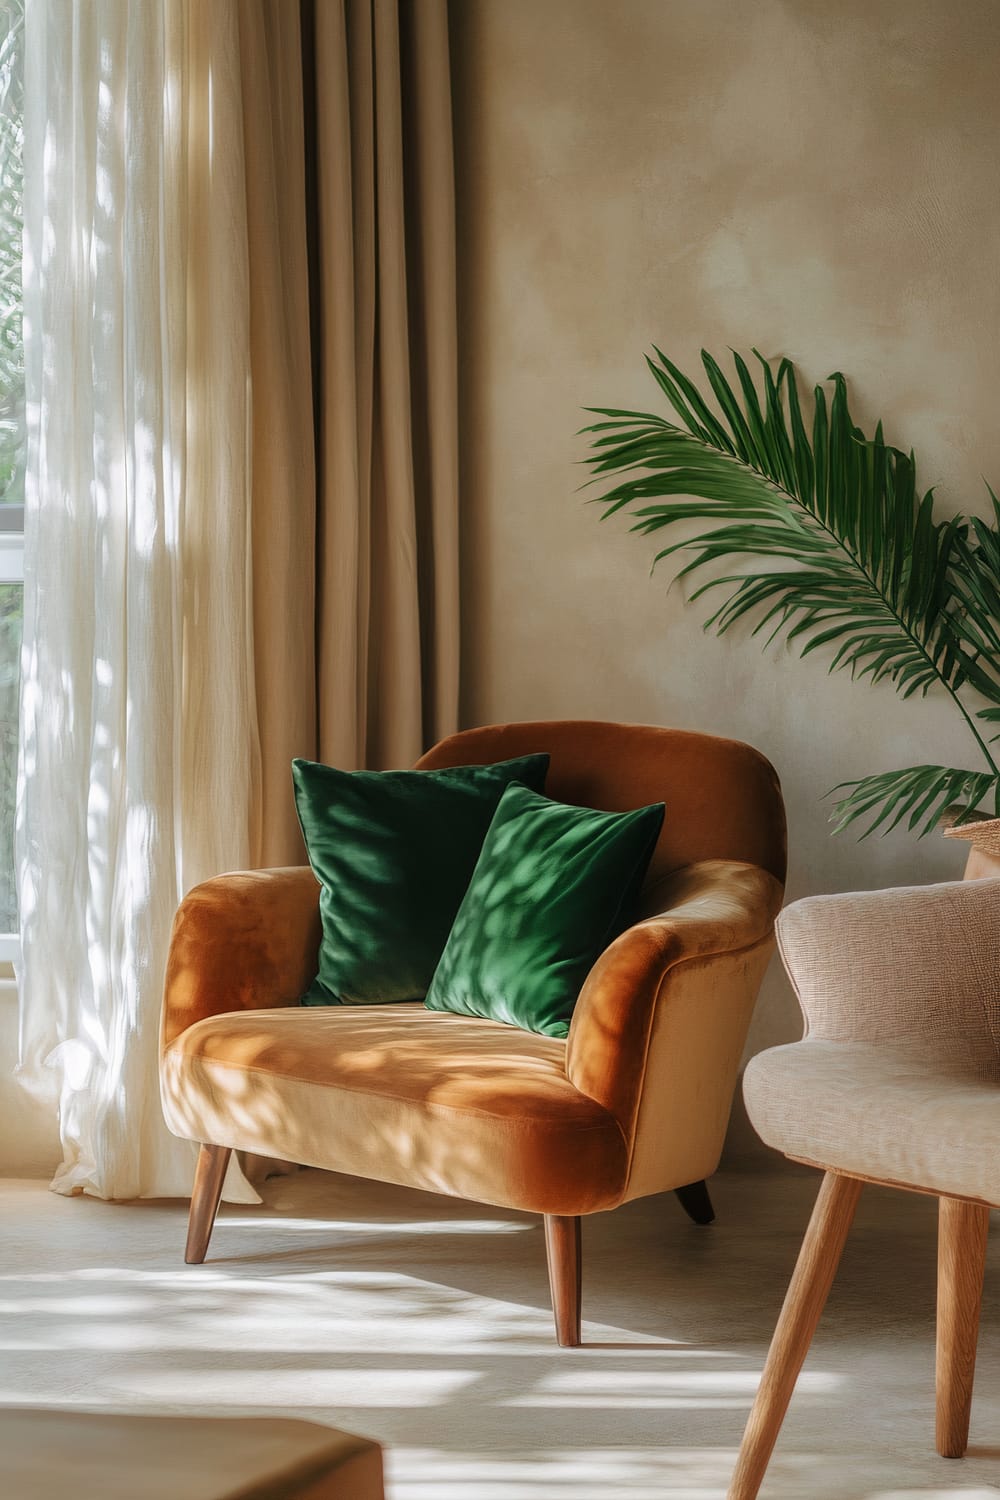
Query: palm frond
<point x="838" y="550"/>
<point x="842" y="510"/>
<point x="975" y="617"/>
<point x="918" y="793"/>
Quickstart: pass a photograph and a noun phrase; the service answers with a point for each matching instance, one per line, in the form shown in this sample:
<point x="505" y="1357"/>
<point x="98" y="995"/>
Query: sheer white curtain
<point x="140" y="760"/>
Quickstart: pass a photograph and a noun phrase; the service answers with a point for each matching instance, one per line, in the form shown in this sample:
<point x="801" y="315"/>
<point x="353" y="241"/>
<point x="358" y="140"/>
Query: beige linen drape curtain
<point x="350" y="209"/>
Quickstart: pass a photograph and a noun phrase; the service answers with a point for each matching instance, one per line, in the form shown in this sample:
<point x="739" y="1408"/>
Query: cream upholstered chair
<point x="634" y="1101"/>
<point x="897" y="1081"/>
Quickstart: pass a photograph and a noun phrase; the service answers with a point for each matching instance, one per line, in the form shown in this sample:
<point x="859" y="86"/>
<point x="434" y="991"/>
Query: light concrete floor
<point x="424" y="1322"/>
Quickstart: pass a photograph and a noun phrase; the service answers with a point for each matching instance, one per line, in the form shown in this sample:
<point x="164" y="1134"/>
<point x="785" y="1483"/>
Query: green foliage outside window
<point x="11" y="611"/>
<point x="11" y="424"/>
<point x="11" y="211"/>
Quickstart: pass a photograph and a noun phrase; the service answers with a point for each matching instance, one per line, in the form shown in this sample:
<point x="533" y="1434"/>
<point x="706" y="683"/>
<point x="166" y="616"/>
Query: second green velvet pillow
<point x="393" y="852"/>
<point x="552" y="887"/>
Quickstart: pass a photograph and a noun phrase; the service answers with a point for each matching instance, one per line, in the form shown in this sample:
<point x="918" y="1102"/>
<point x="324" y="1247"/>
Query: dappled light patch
<point x="425" y="1323"/>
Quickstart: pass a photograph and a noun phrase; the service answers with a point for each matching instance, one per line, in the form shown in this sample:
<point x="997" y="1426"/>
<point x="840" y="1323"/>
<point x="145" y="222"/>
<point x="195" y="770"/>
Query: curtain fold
<point x="351" y="223"/>
<point x="283" y="447"/>
<point x="241" y="527"/>
<point x="380" y="185"/>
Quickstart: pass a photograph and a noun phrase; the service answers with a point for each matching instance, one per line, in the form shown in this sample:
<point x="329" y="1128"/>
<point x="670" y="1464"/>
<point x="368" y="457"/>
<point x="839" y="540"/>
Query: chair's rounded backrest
<point x="722" y="797"/>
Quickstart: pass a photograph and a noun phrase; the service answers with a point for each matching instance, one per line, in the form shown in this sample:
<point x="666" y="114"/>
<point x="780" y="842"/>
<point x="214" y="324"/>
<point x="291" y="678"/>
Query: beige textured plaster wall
<point x="821" y="181"/>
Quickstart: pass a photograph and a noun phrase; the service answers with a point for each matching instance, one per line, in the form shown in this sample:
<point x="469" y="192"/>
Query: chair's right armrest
<point x="906" y="964"/>
<point x="244" y="941"/>
<point x="712" y="917"/>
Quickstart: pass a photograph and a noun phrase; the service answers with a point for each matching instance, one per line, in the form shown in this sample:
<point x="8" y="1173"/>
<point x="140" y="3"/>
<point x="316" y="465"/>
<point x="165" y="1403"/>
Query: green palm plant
<point x="838" y="550"/>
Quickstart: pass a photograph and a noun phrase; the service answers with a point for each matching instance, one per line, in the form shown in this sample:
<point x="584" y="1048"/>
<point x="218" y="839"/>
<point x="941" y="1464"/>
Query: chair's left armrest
<point x="244" y="941"/>
<point x="713" y="909"/>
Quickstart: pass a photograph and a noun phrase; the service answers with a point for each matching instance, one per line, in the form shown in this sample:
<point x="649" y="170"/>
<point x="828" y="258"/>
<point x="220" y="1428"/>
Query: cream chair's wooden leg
<point x="208" y="1176"/>
<point x="562" y="1250"/>
<point x="962" y="1232"/>
<point x="806" y="1297"/>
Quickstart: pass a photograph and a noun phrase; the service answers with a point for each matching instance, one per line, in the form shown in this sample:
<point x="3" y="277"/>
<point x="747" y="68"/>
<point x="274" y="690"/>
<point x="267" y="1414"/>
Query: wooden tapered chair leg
<point x="562" y="1250"/>
<point x="696" y="1203"/>
<point x="208" y="1178"/>
<point x="962" y="1233"/>
<point x="810" y="1285"/>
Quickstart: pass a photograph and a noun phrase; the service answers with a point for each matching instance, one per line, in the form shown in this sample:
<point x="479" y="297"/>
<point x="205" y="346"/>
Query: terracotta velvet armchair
<point x="636" y="1099"/>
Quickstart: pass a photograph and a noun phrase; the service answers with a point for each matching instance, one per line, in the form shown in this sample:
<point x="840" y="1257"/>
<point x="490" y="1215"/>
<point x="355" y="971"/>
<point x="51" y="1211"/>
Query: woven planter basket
<point x="985" y="835"/>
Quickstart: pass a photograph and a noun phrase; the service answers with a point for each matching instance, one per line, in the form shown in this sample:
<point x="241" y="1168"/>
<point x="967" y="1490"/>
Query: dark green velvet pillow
<point x="393" y="852"/>
<point x="552" y="887"/>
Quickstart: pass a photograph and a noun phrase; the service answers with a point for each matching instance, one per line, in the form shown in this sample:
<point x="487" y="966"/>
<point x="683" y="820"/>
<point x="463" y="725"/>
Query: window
<point x="11" y="603"/>
<point x="12" y="438"/>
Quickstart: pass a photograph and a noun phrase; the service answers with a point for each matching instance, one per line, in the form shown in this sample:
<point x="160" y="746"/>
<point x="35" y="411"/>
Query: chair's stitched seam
<point x="796" y="987"/>
<point x="891" y="1182"/>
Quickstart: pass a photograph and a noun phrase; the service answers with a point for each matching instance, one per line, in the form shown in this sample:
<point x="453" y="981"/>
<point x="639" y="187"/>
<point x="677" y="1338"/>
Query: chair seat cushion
<point x="882" y="1112"/>
<point x="451" y="1104"/>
